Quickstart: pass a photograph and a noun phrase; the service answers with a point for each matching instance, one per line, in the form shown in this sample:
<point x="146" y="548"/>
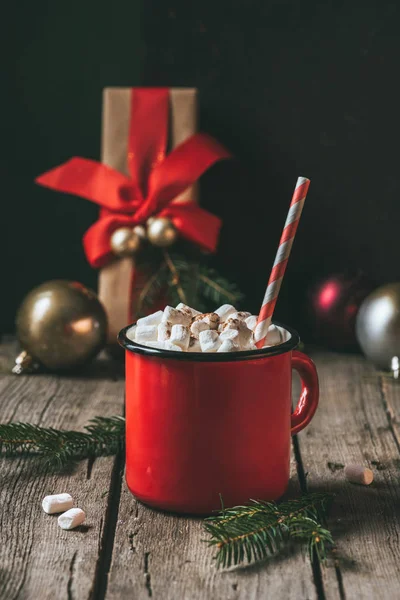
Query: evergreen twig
<point x="180" y="279"/>
<point x="102" y="436"/>
<point x="254" y="532"/>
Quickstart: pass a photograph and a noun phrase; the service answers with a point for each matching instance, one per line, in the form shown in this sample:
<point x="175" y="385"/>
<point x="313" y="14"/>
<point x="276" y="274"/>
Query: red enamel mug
<point x="201" y="427"/>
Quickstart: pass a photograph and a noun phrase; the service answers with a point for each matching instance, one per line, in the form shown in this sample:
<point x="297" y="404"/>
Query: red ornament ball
<point x="333" y="304"/>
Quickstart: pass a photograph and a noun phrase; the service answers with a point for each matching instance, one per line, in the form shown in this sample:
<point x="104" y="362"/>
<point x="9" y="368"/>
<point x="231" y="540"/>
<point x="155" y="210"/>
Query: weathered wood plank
<point x="351" y="426"/>
<point x="37" y="558"/>
<point x="162" y="556"/>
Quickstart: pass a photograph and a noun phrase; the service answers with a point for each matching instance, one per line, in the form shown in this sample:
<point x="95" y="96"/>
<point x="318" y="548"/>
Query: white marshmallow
<point x="180" y="336"/>
<point x="245" y="334"/>
<point x="130" y="334"/>
<point x="228" y="346"/>
<point x="176" y="317"/>
<point x="197" y="327"/>
<point x="242" y="315"/>
<point x="164" y="331"/>
<point x="230" y="334"/>
<point x="184" y="308"/>
<point x="194" y="345"/>
<point x="154" y="344"/>
<point x="225" y="311"/>
<point x="202" y="322"/>
<point x="153" y="319"/>
<point x="273" y="336"/>
<point x="57" y="503"/>
<point x="358" y="474"/>
<point x="209" y="340"/>
<point x="251" y="322"/>
<point x="146" y="333"/>
<point x="72" y="518"/>
<point x="170" y="346"/>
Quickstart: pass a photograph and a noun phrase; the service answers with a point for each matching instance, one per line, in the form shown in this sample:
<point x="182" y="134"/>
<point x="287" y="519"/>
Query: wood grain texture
<point x="37" y="558"/>
<point x="162" y="556"/>
<point x="351" y="426"/>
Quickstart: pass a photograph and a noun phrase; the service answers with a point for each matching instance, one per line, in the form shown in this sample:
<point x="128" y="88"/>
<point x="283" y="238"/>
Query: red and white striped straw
<point x="281" y="259"/>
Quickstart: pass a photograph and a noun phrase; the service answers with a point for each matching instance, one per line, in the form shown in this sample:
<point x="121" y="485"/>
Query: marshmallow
<point x="170" y="346"/>
<point x="273" y="336"/>
<point x="225" y="311"/>
<point x="228" y="346"/>
<point x="184" y="308"/>
<point x="180" y="336"/>
<point x="72" y="518"/>
<point x="202" y="322"/>
<point x="154" y="344"/>
<point x="197" y="327"/>
<point x="176" y="317"/>
<point x="164" y="331"/>
<point x="57" y="503"/>
<point x="245" y="334"/>
<point x="194" y="345"/>
<point x="153" y="319"/>
<point x="146" y="333"/>
<point x="358" y="474"/>
<point x="130" y="334"/>
<point x="209" y="340"/>
<point x="242" y="315"/>
<point x="230" y="334"/>
<point x="251" y="322"/>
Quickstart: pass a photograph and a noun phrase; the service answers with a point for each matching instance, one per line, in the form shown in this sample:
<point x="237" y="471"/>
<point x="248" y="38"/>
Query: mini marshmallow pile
<point x="185" y="329"/>
<point x="58" y="503"/>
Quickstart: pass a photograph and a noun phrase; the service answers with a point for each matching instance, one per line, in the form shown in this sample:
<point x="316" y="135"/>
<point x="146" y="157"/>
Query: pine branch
<point x="216" y="288"/>
<point x="259" y="530"/>
<point x="103" y="436"/>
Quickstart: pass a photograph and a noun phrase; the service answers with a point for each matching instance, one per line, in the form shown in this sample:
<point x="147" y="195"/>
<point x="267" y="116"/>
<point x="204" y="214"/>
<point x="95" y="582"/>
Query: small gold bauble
<point x="140" y="230"/>
<point x="161" y="232"/>
<point x="125" y="242"/>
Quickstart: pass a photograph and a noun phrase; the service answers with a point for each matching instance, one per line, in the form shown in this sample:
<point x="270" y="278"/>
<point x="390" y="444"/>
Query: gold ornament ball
<point x="60" y="325"/>
<point x="161" y="232"/>
<point x="125" y="241"/>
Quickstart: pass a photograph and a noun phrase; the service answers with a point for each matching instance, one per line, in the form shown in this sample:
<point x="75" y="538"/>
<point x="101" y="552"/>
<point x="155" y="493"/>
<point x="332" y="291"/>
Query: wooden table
<point x="126" y="550"/>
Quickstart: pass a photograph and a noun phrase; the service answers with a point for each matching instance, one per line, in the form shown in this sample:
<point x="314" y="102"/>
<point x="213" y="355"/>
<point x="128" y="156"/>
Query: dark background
<point x="292" y="88"/>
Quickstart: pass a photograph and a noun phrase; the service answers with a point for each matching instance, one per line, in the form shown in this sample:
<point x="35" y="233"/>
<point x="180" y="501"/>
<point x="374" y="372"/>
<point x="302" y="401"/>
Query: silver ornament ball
<point x="378" y="325"/>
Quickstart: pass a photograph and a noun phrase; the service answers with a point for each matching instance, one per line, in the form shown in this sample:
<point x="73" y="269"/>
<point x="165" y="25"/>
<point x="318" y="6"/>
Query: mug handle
<point x="308" y="401"/>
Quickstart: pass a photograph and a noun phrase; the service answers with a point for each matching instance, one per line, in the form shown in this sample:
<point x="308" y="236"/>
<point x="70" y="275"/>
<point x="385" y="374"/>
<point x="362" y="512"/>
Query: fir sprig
<point x="178" y="278"/>
<point x="102" y="436"/>
<point x="254" y="532"/>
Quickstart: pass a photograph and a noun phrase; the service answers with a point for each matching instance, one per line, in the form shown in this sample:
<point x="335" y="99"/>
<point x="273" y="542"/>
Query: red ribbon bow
<point x="155" y="180"/>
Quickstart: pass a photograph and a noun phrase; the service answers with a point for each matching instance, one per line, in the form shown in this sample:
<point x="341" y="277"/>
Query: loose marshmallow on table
<point x="225" y="311"/>
<point x="180" y="336"/>
<point x="176" y="317"/>
<point x="209" y="340"/>
<point x="146" y="333"/>
<point x="57" y="503"/>
<point x="228" y="346"/>
<point x="153" y="319"/>
<point x="164" y="331"/>
<point x="72" y="518"/>
<point x="358" y="474"/>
